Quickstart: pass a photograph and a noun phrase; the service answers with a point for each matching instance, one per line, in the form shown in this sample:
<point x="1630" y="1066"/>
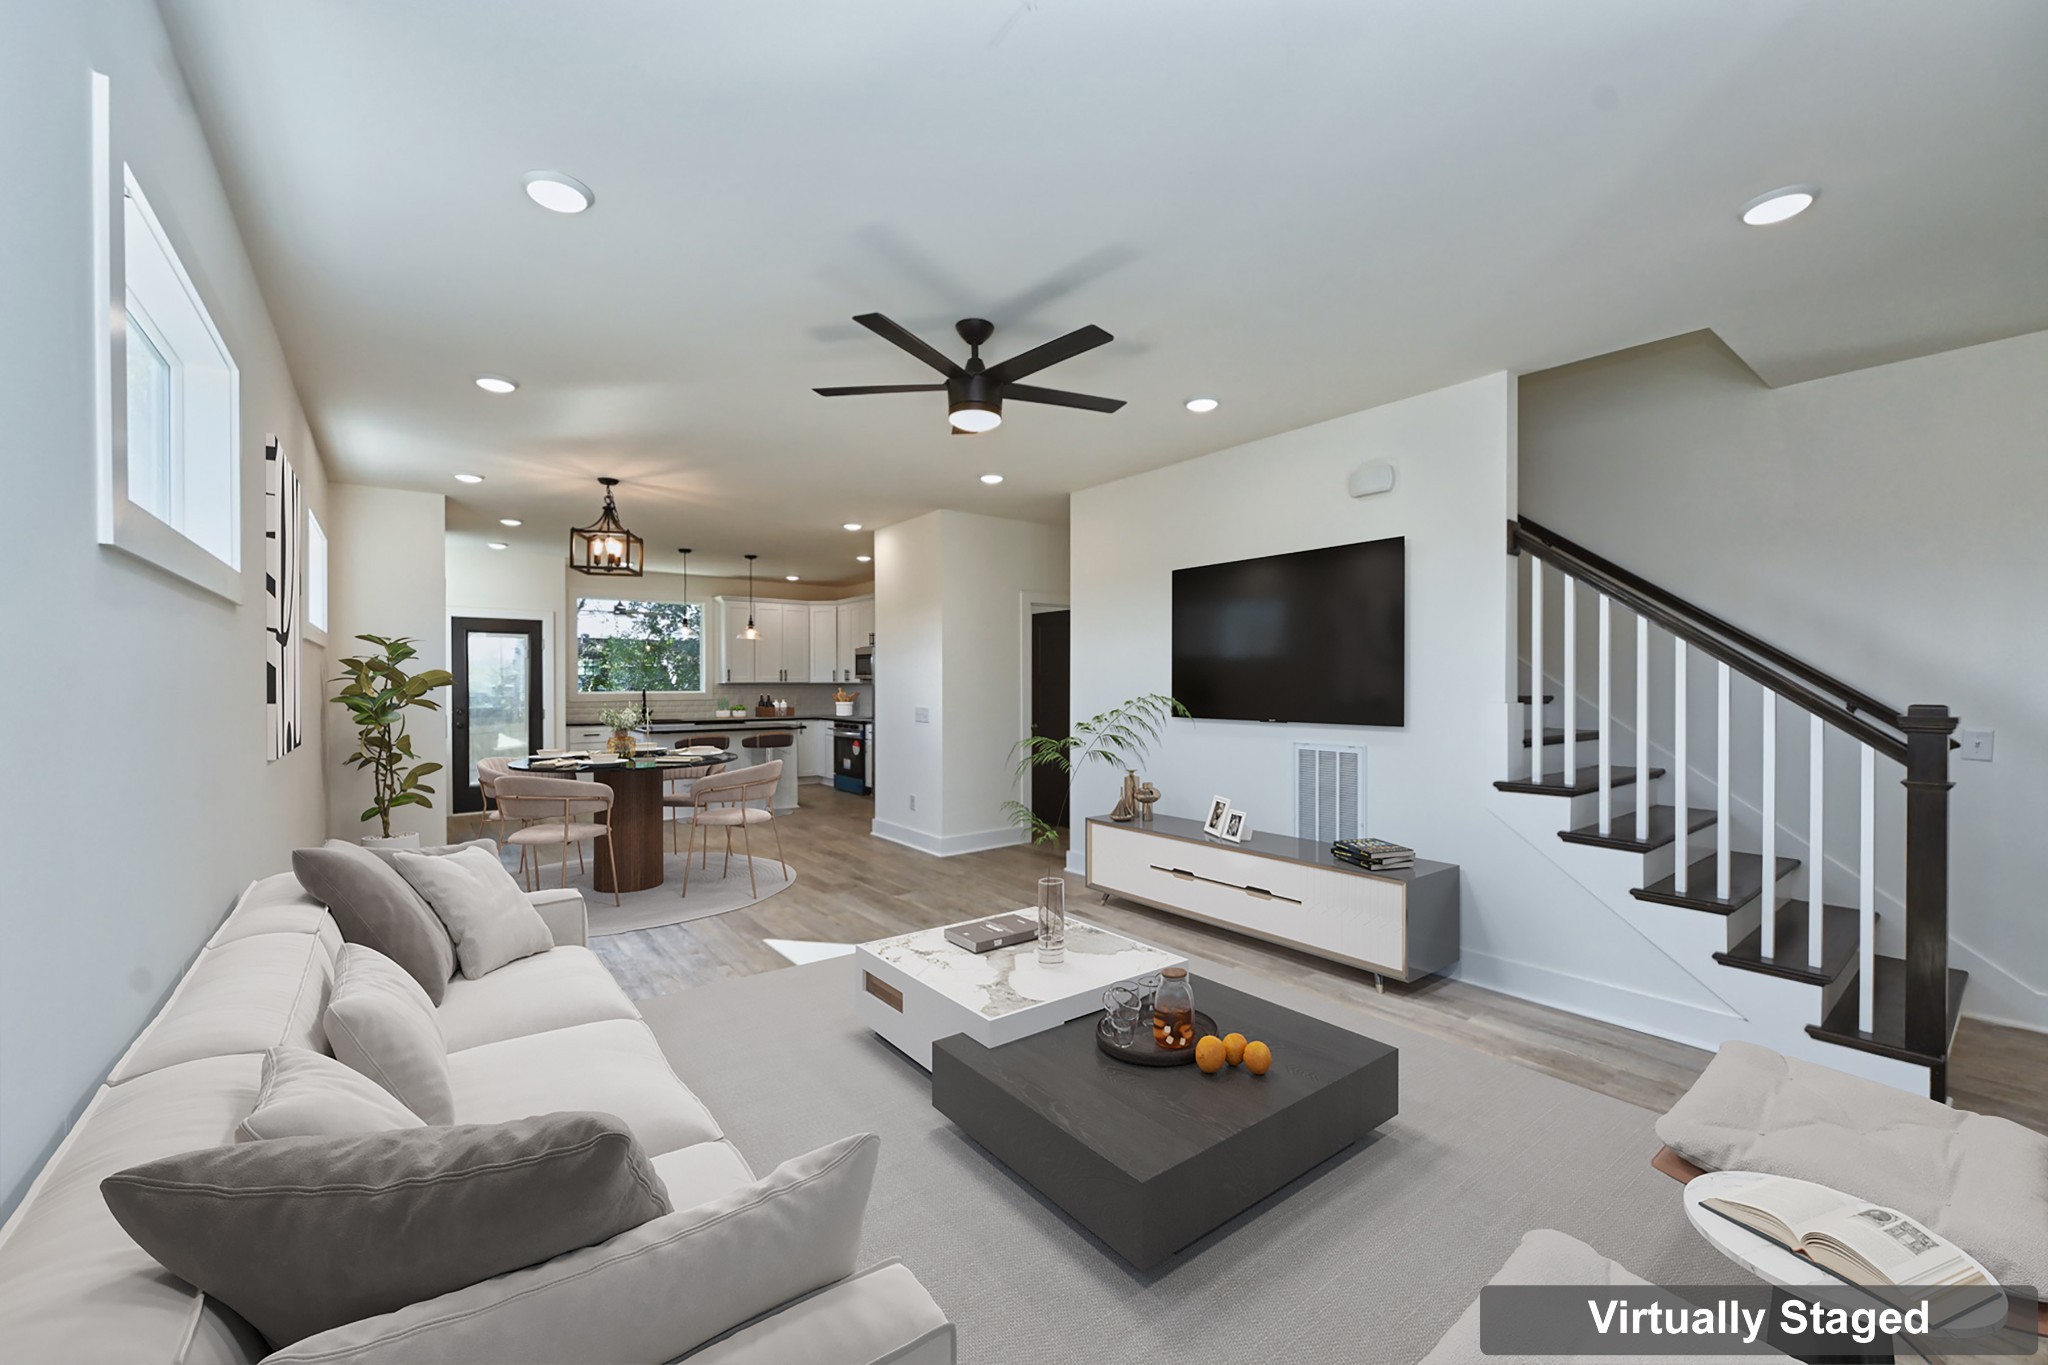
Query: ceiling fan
<point x="975" y="391"/>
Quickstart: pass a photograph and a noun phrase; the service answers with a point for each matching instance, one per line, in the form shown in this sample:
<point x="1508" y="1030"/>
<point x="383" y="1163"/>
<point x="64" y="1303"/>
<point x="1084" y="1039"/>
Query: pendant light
<point x="750" y="633"/>
<point x="686" y="584"/>
<point x="605" y="546"/>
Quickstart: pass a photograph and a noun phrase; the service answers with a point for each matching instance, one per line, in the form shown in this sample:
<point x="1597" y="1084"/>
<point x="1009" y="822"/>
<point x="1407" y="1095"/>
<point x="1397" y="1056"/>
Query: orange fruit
<point x="1209" y="1054"/>
<point x="1257" y="1057"/>
<point x="1233" y="1048"/>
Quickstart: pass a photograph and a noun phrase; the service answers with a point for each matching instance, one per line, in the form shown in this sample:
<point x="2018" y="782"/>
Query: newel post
<point x="1927" y="739"/>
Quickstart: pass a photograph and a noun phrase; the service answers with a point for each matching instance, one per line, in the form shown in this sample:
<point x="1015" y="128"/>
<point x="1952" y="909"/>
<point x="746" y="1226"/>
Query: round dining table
<point x="635" y="820"/>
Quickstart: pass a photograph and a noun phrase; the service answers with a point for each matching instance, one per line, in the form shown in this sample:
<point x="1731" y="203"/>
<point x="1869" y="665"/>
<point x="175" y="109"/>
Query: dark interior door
<point x="497" y="704"/>
<point x="1051" y="659"/>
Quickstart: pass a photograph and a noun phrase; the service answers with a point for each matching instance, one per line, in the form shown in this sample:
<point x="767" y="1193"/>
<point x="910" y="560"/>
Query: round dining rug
<point x="710" y="893"/>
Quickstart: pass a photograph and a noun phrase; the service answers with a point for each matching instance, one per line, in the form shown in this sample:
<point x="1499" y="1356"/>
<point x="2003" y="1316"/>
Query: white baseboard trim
<point x="1676" y="1020"/>
<point x="948" y="845"/>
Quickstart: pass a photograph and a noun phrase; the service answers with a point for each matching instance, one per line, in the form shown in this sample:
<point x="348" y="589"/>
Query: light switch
<point x="1976" y="745"/>
<point x="924" y="715"/>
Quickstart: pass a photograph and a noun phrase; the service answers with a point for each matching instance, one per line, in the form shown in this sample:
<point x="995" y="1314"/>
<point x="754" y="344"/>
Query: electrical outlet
<point x="923" y="715"/>
<point x="1976" y="745"/>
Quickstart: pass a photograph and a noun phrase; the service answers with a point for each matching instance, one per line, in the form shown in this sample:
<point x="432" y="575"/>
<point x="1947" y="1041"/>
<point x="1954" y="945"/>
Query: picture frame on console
<point x="1219" y="814"/>
<point x="1236" y="825"/>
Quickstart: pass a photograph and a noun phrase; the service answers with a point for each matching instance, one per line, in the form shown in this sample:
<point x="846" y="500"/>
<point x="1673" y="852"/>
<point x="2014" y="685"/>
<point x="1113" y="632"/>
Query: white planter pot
<point x="842" y="708"/>
<point x="395" y="841"/>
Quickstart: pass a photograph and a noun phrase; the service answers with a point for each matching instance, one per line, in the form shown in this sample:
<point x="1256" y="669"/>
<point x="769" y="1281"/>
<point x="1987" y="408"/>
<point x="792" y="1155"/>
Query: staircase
<point x="1694" y="855"/>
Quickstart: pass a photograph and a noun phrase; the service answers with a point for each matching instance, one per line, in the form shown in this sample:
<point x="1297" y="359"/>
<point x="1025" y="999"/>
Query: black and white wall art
<point x="283" y="591"/>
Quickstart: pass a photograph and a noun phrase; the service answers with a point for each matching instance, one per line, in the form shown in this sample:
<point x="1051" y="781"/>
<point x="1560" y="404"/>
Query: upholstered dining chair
<point x="557" y="811"/>
<point x="488" y="771"/>
<point x="678" y="788"/>
<point x="725" y="801"/>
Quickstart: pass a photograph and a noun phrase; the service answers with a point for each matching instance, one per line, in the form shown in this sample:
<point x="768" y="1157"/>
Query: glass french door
<point x="497" y="705"/>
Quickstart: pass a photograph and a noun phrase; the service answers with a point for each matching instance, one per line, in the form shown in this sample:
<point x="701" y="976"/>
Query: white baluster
<point x="1535" y="669"/>
<point x="1769" y="815"/>
<point x="1571" y="678"/>
<point x="1642" y="728"/>
<point x="1816" y="864"/>
<point x="1721" y="843"/>
<point x="1682" y="799"/>
<point x="1606" y="717"/>
<point x="1866" y="879"/>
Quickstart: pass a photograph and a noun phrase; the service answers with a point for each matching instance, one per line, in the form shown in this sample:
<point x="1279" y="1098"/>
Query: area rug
<point x="711" y="893"/>
<point x="1369" y="1258"/>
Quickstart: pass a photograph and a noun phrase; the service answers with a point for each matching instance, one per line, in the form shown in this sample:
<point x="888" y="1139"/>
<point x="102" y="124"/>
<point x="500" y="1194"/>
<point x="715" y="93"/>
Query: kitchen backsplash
<point x="810" y="699"/>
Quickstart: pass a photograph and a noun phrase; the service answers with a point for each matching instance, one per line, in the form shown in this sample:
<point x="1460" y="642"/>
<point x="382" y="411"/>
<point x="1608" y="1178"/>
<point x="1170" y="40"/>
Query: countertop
<point x="671" y="727"/>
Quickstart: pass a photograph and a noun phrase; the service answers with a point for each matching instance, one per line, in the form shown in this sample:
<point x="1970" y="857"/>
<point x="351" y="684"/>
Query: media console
<point x="1402" y="924"/>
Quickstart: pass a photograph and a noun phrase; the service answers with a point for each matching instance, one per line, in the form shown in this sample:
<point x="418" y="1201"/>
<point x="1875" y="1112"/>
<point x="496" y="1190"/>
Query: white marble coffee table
<point x="917" y="988"/>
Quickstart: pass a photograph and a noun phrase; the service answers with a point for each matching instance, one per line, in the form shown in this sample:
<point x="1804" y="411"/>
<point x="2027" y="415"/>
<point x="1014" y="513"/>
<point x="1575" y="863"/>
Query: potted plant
<point x="622" y="721"/>
<point x="842" y="701"/>
<point x="378" y="692"/>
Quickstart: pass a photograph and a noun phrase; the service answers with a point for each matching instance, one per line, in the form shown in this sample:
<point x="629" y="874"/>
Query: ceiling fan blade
<point x="881" y="388"/>
<point x="1052" y="353"/>
<point x="901" y="336"/>
<point x="1060" y="398"/>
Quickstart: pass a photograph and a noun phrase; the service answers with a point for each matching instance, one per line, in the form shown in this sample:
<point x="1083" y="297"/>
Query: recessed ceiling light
<point x="863" y="559"/>
<point x="1779" y="205"/>
<point x="851" y="526"/>
<point x="1201" y="405"/>
<point x="495" y="383"/>
<point x="791" y="577"/>
<point x="991" y="478"/>
<point x="499" y="545"/>
<point x="469" y="478"/>
<point x="510" y="521"/>
<point x="562" y="193"/>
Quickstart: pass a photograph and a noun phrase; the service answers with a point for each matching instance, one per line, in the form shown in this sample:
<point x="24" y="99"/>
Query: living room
<point x="1595" y="452"/>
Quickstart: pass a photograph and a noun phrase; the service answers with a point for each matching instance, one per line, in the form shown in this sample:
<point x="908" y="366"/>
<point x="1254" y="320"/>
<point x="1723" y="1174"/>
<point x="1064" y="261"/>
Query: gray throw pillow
<point x="376" y="907"/>
<point x="303" y="1234"/>
<point x="487" y="915"/>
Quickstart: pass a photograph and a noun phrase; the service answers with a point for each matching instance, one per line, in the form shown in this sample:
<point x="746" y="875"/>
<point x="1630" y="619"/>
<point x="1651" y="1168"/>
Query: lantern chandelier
<point x="606" y="546"/>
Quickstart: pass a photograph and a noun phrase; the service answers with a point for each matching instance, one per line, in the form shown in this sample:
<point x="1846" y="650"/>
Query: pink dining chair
<point x="557" y="811"/>
<point x="725" y="801"/>
<point x="679" y="786"/>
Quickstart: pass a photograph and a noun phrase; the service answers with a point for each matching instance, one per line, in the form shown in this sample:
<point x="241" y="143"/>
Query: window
<point x="639" y="646"/>
<point x="170" y="486"/>
<point x="316" y="578"/>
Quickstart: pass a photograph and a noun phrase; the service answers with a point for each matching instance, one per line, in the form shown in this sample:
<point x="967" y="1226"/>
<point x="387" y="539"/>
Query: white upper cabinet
<point x="825" y="643"/>
<point x="800" y="642"/>
<point x="845" y="615"/>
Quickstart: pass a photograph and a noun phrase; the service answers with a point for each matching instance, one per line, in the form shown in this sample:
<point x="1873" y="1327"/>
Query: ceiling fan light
<point x="970" y="415"/>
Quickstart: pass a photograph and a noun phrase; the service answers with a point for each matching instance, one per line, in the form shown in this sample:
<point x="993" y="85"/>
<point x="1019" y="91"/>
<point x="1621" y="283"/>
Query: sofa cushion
<point x="881" y="1316"/>
<point x="613" y="1066"/>
<point x="304" y="1234"/>
<point x="486" y="914"/>
<point x="247" y="995"/>
<point x="309" y="1094"/>
<point x="1980" y="1182"/>
<point x="380" y="1023"/>
<point x="74" y="1288"/>
<point x="375" y="906"/>
<point x="549" y="990"/>
<point x="648" y="1294"/>
<point x="278" y="905"/>
<point x="702" y="1172"/>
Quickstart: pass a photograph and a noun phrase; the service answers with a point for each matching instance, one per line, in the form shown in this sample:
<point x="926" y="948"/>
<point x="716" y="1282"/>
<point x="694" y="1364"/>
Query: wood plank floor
<point x="852" y="887"/>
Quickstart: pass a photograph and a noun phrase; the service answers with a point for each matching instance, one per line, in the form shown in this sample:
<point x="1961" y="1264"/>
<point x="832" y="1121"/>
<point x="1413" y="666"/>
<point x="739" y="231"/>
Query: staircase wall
<point x="1885" y="523"/>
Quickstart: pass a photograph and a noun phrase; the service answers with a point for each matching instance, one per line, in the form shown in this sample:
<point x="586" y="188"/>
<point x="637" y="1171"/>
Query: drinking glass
<point x="1052" y="921"/>
<point x="1120" y="1004"/>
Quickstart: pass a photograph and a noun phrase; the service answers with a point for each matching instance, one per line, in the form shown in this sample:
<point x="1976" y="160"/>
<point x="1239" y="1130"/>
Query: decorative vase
<point x="1127" y="800"/>
<point x="1147" y="795"/>
<point x="1173" y="1010"/>
<point x="621" y="743"/>
<point x="1052" y="921"/>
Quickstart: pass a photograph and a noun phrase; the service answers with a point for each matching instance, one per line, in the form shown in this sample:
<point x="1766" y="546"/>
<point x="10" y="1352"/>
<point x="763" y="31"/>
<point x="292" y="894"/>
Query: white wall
<point x="1527" y="928"/>
<point x="953" y="597"/>
<point x="390" y="578"/>
<point x="157" y="804"/>
<point x="1885" y="525"/>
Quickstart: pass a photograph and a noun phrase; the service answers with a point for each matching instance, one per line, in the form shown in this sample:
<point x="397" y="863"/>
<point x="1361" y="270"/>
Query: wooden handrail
<point x="1847" y="708"/>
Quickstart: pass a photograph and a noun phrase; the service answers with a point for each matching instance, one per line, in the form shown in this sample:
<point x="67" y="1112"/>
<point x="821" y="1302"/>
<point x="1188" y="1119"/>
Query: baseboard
<point x="948" y="845"/>
<point x="1676" y="1020"/>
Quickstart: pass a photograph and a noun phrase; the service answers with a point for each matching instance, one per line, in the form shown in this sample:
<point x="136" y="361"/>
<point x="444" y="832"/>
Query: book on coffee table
<point x="1862" y="1242"/>
<point x="997" y="931"/>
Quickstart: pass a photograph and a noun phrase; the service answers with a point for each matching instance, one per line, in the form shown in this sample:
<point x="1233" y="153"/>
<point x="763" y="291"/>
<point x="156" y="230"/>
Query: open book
<point x="1857" y="1240"/>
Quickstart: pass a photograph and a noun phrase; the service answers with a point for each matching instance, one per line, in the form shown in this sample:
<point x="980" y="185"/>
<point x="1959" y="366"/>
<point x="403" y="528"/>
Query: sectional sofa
<point x="546" y="1033"/>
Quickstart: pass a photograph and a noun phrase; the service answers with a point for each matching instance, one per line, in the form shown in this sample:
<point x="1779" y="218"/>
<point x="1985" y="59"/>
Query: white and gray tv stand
<point x="1402" y="924"/>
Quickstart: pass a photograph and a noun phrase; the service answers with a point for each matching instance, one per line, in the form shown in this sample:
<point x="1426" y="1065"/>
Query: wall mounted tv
<point x="1318" y="636"/>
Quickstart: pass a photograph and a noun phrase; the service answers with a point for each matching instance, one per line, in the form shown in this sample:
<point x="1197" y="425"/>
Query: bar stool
<point x="679" y="791"/>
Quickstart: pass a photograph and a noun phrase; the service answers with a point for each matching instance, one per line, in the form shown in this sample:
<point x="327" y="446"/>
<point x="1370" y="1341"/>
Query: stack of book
<point x="1374" y="854"/>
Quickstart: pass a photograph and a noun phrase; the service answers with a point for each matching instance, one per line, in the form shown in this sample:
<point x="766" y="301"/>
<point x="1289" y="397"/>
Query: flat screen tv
<point x="1317" y="636"/>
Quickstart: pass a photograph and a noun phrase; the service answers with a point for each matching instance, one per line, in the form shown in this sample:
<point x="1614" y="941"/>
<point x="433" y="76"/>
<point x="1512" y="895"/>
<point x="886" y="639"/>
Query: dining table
<point x="636" y="815"/>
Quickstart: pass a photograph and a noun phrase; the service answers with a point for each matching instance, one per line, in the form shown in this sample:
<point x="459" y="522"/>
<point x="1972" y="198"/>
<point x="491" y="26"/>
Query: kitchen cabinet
<point x="800" y="641"/>
<point x="814" y="751"/>
<point x="824" y="643"/>
<point x="593" y="737"/>
<point x="795" y="650"/>
<point x="854" y="624"/>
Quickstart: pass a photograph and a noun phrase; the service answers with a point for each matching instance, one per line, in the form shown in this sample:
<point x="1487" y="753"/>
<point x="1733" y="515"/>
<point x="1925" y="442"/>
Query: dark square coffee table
<point x="1151" y="1158"/>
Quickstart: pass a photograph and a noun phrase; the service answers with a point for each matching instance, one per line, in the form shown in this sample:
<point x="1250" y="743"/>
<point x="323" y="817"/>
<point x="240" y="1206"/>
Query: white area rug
<point x="712" y="891"/>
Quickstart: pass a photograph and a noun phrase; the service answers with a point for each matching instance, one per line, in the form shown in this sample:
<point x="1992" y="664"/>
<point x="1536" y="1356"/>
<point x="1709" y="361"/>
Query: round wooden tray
<point x="1142" y="1051"/>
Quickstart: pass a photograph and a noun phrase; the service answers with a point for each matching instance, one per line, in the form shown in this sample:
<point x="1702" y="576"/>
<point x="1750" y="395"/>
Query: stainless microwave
<point x="864" y="664"/>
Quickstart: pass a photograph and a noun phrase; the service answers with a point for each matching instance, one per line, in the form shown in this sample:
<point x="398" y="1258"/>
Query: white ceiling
<point x="1301" y="208"/>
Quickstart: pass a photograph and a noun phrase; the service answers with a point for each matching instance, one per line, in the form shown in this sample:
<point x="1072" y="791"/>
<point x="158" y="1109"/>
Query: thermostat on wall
<point x="1369" y="479"/>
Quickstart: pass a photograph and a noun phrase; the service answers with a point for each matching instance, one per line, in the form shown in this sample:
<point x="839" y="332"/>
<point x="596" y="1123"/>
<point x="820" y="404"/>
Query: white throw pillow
<point x="651" y="1293"/>
<point x="487" y="914"/>
<point x="309" y="1094"/>
<point x="381" y="1023"/>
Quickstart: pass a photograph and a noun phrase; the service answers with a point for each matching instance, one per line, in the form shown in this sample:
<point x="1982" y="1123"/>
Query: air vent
<point x="1329" y="792"/>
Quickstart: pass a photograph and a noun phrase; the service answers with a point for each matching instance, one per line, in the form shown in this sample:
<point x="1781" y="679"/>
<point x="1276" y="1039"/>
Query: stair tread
<point x="1553" y="784"/>
<point x="1622" y="830"/>
<point x="1887" y="1035"/>
<point x="1839" y="933"/>
<point x="1745" y="881"/>
<point x="1524" y="699"/>
<point x="1554" y="734"/>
